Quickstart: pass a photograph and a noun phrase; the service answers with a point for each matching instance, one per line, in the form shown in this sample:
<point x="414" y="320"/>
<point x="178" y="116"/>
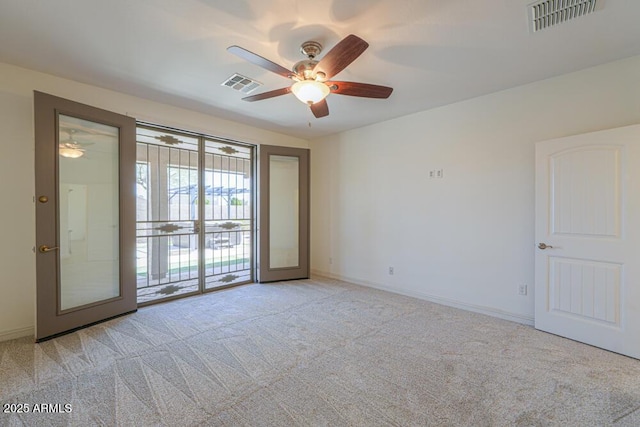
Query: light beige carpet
<point x="315" y="352"/>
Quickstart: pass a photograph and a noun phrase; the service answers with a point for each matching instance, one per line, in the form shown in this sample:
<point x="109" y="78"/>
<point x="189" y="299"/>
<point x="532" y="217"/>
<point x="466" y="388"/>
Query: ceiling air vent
<point x="549" y="13"/>
<point x="241" y="83"/>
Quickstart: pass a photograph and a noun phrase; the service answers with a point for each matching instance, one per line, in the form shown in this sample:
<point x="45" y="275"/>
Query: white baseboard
<point x="16" y="333"/>
<point x="489" y="311"/>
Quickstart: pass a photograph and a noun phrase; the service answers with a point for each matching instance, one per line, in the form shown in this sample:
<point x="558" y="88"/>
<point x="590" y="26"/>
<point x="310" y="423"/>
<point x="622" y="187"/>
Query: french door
<point x="85" y="259"/>
<point x="194" y="214"/>
<point x="284" y="213"/>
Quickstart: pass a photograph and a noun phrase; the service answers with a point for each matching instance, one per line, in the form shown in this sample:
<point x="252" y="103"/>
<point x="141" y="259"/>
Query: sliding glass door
<point x="228" y="214"/>
<point x="194" y="214"/>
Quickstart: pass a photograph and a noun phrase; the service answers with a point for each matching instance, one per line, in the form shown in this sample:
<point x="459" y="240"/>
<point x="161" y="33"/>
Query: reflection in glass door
<point x="89" y="212"/>
<point x="176" y="255"/>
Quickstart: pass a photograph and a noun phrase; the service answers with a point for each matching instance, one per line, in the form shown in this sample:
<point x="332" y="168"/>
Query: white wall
<point x="467" y="239"/>
<point x="17" y="214"/>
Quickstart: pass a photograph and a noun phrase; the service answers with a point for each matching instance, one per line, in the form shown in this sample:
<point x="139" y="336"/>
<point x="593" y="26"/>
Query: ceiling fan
<point x="312" y="79"/>
<point x="71" y="148"/>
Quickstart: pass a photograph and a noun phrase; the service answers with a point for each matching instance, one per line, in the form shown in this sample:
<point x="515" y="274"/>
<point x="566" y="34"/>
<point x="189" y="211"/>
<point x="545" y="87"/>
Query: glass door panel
<point x="284" y="229"/>
<point x="228" y="214"/>
<point x="167" y="214"/>
<point x="89" y="214"/>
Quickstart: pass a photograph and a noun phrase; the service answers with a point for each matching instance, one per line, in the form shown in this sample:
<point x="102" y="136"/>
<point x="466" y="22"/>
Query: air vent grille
<point x="241" y="83"/>
<point x="549" y="13"/>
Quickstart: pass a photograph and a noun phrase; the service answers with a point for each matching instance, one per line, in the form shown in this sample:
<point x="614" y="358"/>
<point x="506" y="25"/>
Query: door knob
<point x="45" y="249"/>
<point x="544" y="246"/>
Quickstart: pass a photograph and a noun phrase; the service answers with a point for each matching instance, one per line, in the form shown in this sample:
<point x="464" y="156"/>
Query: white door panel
<point x="588" y="214"/>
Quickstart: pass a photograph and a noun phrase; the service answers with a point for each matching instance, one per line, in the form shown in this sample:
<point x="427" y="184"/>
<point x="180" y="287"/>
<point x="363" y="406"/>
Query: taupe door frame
<point x="267" y="273"/>
<point x="51" y="320"/>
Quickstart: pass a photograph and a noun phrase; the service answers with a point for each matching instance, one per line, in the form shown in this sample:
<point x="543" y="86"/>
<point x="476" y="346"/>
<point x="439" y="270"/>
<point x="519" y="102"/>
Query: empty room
<point x="330" y="213"/>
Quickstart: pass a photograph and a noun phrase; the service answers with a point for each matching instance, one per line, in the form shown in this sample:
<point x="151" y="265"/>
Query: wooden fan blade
<point x="267" y="95"/>
<point x="260" y="61"/>
<point x="364" y="90"/>
<point x="320" y="109"/>
<point x="342" y="54"/>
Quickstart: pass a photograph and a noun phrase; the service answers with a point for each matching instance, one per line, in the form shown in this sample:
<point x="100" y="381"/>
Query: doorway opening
<point x="194" y="213"/>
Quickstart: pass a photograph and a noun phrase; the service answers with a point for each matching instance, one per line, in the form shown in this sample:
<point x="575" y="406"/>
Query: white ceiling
<point x="432" y="52"/>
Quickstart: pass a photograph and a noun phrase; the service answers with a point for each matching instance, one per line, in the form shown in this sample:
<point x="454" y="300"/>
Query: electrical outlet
<point x="390" y="271"/>
<point x="439" y="173"/>
<point x="432" y="174"/>
<point x="522" y="290"/>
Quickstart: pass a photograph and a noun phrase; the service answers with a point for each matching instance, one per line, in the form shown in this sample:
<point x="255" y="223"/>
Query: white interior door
<point x="587" y="267"/>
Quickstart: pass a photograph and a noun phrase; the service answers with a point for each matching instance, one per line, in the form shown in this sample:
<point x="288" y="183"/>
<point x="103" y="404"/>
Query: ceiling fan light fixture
<point x="310" y="91"/>
<point x="70" y="153"/>
<point x="312" y="79"/>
